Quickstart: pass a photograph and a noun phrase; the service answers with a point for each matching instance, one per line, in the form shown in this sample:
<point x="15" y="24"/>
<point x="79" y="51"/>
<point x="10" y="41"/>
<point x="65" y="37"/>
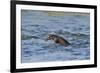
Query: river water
<point x="37" y="25"/>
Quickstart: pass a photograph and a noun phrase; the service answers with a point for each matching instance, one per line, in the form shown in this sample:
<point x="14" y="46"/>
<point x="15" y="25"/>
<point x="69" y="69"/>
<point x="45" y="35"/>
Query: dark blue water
<point x="37" y="25"/>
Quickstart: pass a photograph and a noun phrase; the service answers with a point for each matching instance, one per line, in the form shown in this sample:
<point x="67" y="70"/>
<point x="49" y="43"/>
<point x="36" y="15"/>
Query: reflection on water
<point x="35" y="27"/>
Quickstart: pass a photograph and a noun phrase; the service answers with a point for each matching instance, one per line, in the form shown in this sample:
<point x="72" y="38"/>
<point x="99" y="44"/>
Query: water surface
<point x="37" y="25"/>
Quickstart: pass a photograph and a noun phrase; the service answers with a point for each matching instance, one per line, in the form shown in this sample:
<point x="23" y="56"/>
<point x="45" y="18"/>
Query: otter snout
<point x="50" y="37"/>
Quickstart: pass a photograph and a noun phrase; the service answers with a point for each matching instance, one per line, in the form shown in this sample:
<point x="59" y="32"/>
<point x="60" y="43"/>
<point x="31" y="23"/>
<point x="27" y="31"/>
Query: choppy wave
<point x="36" y="26"/>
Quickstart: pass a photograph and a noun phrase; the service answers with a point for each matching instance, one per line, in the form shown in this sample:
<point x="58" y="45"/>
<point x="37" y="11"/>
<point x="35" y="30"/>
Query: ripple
<point x="36" y="25"/>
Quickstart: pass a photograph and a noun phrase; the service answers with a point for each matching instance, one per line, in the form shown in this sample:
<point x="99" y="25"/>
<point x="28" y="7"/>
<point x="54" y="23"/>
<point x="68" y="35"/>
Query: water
<point x="37" y="25"/>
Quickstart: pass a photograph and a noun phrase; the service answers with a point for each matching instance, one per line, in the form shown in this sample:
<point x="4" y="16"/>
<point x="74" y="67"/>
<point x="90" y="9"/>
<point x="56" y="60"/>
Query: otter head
<point x="58" y="39"/>
<point x="51" y="37"/>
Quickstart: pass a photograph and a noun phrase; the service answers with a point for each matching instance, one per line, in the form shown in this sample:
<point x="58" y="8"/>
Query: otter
<point x="58" y="39"/>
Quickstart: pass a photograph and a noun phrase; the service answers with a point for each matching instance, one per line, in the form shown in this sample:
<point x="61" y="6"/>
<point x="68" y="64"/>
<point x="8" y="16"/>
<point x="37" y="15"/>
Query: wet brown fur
<point x="59" y="40"/>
